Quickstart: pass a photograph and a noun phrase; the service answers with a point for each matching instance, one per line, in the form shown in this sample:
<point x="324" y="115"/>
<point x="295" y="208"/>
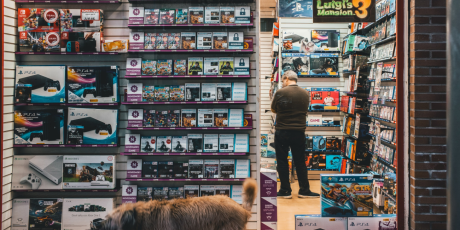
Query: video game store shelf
<point x="158" y="101"/>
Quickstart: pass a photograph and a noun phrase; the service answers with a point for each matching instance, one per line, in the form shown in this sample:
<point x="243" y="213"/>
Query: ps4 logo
<point x="78" y="114"/>
<point x="347" y="179"/>
<point x="359" y="224"/>
<point x="306" y="224"/>
<point x="129" y="190"/>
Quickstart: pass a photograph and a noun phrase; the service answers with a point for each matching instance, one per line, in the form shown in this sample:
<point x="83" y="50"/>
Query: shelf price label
<point x="90" y="14"/>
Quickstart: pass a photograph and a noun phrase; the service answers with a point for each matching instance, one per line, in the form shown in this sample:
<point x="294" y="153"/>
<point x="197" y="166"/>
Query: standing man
<point x="291" y="105"/>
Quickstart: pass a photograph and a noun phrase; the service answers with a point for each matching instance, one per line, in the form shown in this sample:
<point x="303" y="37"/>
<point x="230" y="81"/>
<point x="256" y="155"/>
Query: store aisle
<point x="288" y="208"/>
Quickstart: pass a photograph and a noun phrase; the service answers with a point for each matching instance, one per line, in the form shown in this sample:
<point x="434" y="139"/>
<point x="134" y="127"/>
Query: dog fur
<point x="201" y="213"/>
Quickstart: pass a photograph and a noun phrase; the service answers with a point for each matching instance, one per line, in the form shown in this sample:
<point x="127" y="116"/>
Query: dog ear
<point x="128" y="220"/>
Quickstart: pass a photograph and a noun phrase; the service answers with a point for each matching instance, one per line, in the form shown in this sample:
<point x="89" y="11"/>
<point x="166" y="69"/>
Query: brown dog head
<point x="122" y="218"/>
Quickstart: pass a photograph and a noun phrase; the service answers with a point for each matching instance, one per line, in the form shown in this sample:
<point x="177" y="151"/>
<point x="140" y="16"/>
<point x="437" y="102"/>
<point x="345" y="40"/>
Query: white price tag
<point x="90" y="14"/>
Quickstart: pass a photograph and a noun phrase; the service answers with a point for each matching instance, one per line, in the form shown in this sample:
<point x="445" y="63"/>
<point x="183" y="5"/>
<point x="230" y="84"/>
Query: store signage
<point x="343" y="10"/>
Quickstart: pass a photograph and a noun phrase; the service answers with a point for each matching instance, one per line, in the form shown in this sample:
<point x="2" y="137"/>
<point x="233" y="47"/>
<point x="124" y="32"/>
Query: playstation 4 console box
<point x="99" y="126"/>
<point x="324" y="64"/>
<point x="242" y="14"/>
<point x="212" y="15"/>
<point x="134" y="66"/>
<point x="136" y="15"/>
<point x="85" y="213"/>
<point x="315" y="222"/>
<point x="37" y="172"/>
<point x="211" y="143"/>
<point x="235" y="40"/>
<point x="150" y="169"/>
<point x="211" y="66"/>
<point x="227" y="168"/>
<point x="89" y="172"/>
<point x="208" y="91"/>
<point x="297" y="41"/>
<point x="220" y="117"/>
<point x="151" y="16"/>
<point x="135" y="118"/>
<point x="191" y="191"/>
<point x="164" y="144"/>
<point x="136" y="40"/>
<point x="196" y="15"/>
<point x="211" y="168"/>
<point x="179" y="144"/>
<point x="92" y="84"/>
<point x="195" y="143"/>
<point x="227" y="14"/>
<point x="241" y="66"/>
<point x="37" y="214"/>
<point x="134" y="92"/>
<point x="192" y="92"/>
<point x="239" y="91"/>
<point x="195" y="169"/>
<point x="188" y="40"/>
<point x="205" y="118"/>
<point x="128" y="194"/>
<point x="237" y="193"/>
<point x="376" y="222"/>
<point x="134" y="168"/>
<point x="327" y="40"/>
<point x="242" y="168"/>
<point x="241" y="143"/>
<point x="226" y="142"/>
<point x="207" y="190"/>
<point x="132" y="142"/>
<point x="358" y="189"/>
<point x="40" y="84"/>
<point x="236" y="118"/>
<point x="39" y="127"/>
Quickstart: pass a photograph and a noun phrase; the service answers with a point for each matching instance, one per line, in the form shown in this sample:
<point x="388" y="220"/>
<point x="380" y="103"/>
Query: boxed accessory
<point x="167" y="16"/>
<point x="95" y="84"/>
<point x="40" y="84"/>
<point x="188" y="40"/>
<point x="195" y="143"/>
<point x="205" y="117"/>
<point x="37" y="213"/>
<point x="134" y="168"/>
<point x="149" y="67"/>
<point x="136" y="40"/>
<point x="180" y="170"/>
<point x="164" y="67"/>
<point x="120" y="46"/>
<point x="191" y="191"/>
<point x="39" y="41"/>
<point x="39" y="126"/>
<point x="150" y="41"/>
<point x="149" y="118"/>
<point x="135" y="118"/>
<point x="211" y="143"/>
<point x="180" y="67"/>
<point x="242" y="14"/>
<point x="208" y="91"/>
<point x="297" y="41"/>
<point x="380" y="221"/>
<point x="224" y="91"/>
<point x="236" y="118"/>
<point x="136" y="15"/>
<point x="297" y="62"/>
<point x="327" y="40"/>
<point x="242" y="168"/>
<point x="227" y="168"/>
<point x="176" y="193"/>
<point x="211" y="168"/>
<point x="174" y="41"/>
<point x="241" y="143"/>
<point x="308" y="143"/>
<point x="327" y="121"/>
<point x="195" y="66"/>
<point x="82" y="42"/>
<point x="37" y="172"/>
<point x="220" y="117"/>
<point x="164" y="144"/>
<point x="333" y="162"/>
<point x="219" y="40"/>
<point x="132" y="142"/>
<point x="176" y="93"/>
<point x="195" y="169"/>
<point x="241" y="66"/>
<point x="324" y="64"/>
<point x="226" y="142"/>
<point x="151" y="16"/>
<point x="222" y="190"/>
<point x="179" y="144"/>
<point x="85" y="213"/>
<point x="333" y="143"/>
<point x="160" y="193"/>
<point x="99" y="126"/>
<point x="325" y="99"/>
<point x="165" y="169"/>
<point x="89" y="172"/>
<point x="207" y="190"/>
<point x="212" y="15"/>
<point x="148" y="144"/>
<point x="174" y="118"/>
<point x="144" y="193"/>
<point x="162" y="41"/>
<point x="161" y="93"/>
<point x="192" y="92"/>
<point x="161" y="118"/>
<point x="129" y="194"/>
<point x="315" y="161"/>
<point x="226" y="66"/>
<point x="182" y="16"/>
<point x="356" y="187"/>
<point x="227" y="14"/>
<point x="134" y="66"/>
<point x="316" y="222"/>
<point x="150" y="169"/>
<point x="211" y="66"/>
<point x="237" y="193"/>
<point x="188" y="117"/>
<point x="271" y="152"/>
<point x="239" y="91"/>
<point x="196" y="15"/>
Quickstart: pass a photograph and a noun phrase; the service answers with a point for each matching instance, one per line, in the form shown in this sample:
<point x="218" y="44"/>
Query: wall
<point x="427" y="114"/>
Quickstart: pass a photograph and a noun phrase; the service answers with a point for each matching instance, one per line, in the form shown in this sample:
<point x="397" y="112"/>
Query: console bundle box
<point x="37" y="172"/>
<point x="89" y="172"/>
<point x="324" y="99"/>
<point x="92" y="126"/>
<point x="39" y="126"/>
<point x="297" y="41"/>
<point x="40" y="84"/>
<point x="37" y="214"/>
<point x="81" y="30"/>
<point x="377" y="222"/>
<point x="316" y="222"/>
<point x="98" y="84"/>
<point x="297" y="62"/>
<point x="85" y="213"/>
<point x="324" y="64"/>
<point x="327" y="40"/>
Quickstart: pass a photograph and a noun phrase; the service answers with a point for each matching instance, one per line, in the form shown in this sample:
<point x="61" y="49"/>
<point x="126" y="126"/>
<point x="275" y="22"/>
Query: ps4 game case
<point x="205" y="118"/>
<point x="161" y="93"/>
<point x="148" y="144"/>
<point x="150" y="41"/>
<point x="224" y="91"/>
<point x="174" y="118"/>
<point x="98" y="126"/>
<point x="195" y="143"/>
<point x="39" y="126"/>
<point x="180" y="170"/>
<point x="195" y="169"/>
<point x="180" y="67"/>
<point x="151" y="16"/>
<point x="192" y="92"/>
<point x="378" y="221"/>
<point x="164" y="144"/>
<point x="179" y="144"/>
<point x="176" y="93"/>
<point x="226" y="66"/>
<point x="191" y="191"/>
<point x="207" y="190"/>
<point x="220" y="117"/>
<point x="165" y="169"/>
<point x="40" y="84"/>
<point x="211" y="66"/>
<point x="212" y="15"/>
<point x="37" y="214"/>
<point x="161" y="118"/>
<point x="160" y="193"/>
<point x="223" y="190"/>
<point x="196" y="15"/>
<point x="227" y="14"/>
<point x="150" y="169"/>
<point x="211" y="143"/>
<point x="195" y="66"/>
<point x="176" y="192"/>
<point x="149" y="67"/>
<point x="204" y="40"/>
<point x="226" y="142"/>
<point x="188" y="40"/>
<point x="188" y="117"/>
<point x="211" y="168"/>
<point x="95" y="84"/>
<point x="144" y="193"/>
<point x="85" y="213"/>
<point x="208" y="91"/>
<point x="227" y="168"/>
<point x="182" y="16"/>
<point x="148" y="118"/>
<point x="32" y="172"/>
<point x="89" y="172"/>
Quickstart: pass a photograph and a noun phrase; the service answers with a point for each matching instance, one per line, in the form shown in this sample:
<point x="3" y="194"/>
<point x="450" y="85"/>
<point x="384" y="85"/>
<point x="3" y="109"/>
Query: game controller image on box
<point x="324" y="64"/>
<point x="40" y="84"/>
<point x="98" y="84"/>
<point x="80" y="42"/>
<point x="39" y="126"/>
<point x="89" y="172"/>
<point x="37" y="172"/>
<point x="37" y="214"/>
<point x="297" y="41"/>
<point x="97" y="126"/>
<point x="85" y="213"/>
<point x="81" y="20"/>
